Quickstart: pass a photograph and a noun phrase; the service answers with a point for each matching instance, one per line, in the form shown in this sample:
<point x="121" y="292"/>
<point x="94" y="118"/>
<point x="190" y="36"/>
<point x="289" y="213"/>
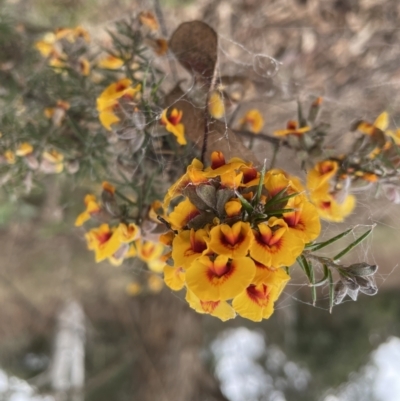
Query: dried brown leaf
<point x="195" y="45"/>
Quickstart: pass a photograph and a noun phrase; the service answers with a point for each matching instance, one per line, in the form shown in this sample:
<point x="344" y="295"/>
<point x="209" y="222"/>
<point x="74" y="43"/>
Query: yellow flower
<point x="253" y="121"/>
<point x="395" y="135"/>
<point x="193" y="171"/>
<point x="148" y="19"/>
<point x="331" y="210"/>
<point x="111" y="62"/>
<point x="92" y="207"/>
<point x="216" y="106"/>
<point x="174" y="277"/>
<point x="128" y="232"/>
<point x="173" y="125"/>
<point x="220" y="309"/>
<point x="188" y="245"/>
<point x="52" y="161"/>
<point x="233" y="207"/>
<point x="9" y="155"/>
<point x="256" y="302"/>
<point x="24" y="149"/>
<point x="108" y="187"/>
<point x="103" y="242"/>
<point x="304" y="220"/>
<point x="277" y="247"/>
<point x="291" y="129"/>
<point x="381" y="123"/>
<point x="71" y="34"/>
<point x="321" y="174"/>
<point x="108" y="101"/>
<point x="233" y="242"/>
<point x="156" y="266"/>
<point x="182" y="214"/>
<point x="46" y="45"/>
<point x="149" y="251"/>
<point x="219" y="279"/>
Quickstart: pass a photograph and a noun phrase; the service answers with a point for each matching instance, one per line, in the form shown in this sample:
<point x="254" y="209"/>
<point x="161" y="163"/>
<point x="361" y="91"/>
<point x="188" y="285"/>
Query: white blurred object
<point x="68" y="365"/>
<point x="14" y="389"/>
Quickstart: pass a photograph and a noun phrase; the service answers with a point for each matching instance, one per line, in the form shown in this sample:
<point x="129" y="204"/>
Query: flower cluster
<point x="233" y="229"/>
<point x="118" y="241"/>
<point x="65" y="48"/>
<point x="49" y="162"/>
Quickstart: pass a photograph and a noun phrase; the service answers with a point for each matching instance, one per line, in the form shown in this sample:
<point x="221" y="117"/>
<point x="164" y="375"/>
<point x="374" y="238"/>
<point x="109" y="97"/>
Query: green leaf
<point x="246" y="205"/>
<point x="274" y="200"/>
<point x="353" y="244"/>
<point x="260" y="184"/>
<point x="331" y="290"/>
<point x="281" y="211"/>
<point x="320" y="245"/>
<point x="323" y="279"/>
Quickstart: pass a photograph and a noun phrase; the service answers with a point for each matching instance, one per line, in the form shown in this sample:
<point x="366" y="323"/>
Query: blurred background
<point x="70" y="330"/>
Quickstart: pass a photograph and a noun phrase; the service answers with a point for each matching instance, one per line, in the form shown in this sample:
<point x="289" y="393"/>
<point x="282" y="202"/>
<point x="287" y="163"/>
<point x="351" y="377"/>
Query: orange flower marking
<point x="250" y="176"/>
<point x="219" y="279"/>
<point x="232" y="241"/>
<point x="255" y="303"/>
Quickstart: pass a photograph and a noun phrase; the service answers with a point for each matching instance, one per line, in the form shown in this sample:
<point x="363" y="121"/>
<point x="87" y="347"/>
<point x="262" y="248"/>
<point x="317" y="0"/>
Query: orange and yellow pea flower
<point x="219" y="278"/>
<point x="321" y="174"/>
<point x="182" y="214"/>
<point x="220" y="309"/>
<point x="292" y="129"/>
<point x="173" y="125"/>
<point x="92" y="207"/>
<point x="381" y="123"/>
<point x="174" y="277"/>
<point x="233" y="242"/>
<point x="189" y="245"/>
<point x="111" y="62"/>
<point x="216" y="106"/>
<point x="24" y="149"/>
<point x="108" y="101"/>
<point x="256" y="302"/>
<point x="304" y="220"/>
<point x="9" y="156"/>
<point x="253" y="121"/>
<point x="274" y="244"/>
<point x="148" y="19"/>
<point x="331" y="210"/>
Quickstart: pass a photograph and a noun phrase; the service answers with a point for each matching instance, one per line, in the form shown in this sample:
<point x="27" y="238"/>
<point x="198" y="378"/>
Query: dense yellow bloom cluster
<point x="233" y="230"/>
